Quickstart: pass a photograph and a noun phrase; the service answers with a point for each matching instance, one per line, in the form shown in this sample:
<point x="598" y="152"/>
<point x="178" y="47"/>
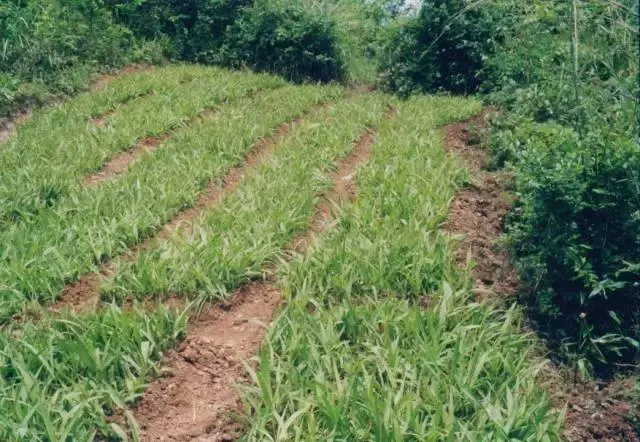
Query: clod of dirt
<point x="344" y="189"/>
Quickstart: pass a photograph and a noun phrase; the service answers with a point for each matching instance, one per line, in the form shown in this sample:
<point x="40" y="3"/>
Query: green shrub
<point x="285" y="38"/>
<point x="576" y="236"/>
<point x="444" y="47"/>
<point x="53" y="46"/>
<point x="570" y="134"/>
<point x="194" y="30"/>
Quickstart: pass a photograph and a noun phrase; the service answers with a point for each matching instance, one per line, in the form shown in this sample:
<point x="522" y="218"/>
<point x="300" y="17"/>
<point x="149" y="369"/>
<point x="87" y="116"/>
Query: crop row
<point x="73" y="375"/>
<point x="50" y="155"/>
<point x="90" y="225"/>
<point x="230" y="244"/>
<point x="374" y="343"/>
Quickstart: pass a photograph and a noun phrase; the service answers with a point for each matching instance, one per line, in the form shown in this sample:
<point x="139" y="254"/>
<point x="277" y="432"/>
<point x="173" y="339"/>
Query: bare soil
<point x="199" y="400"/>
<point x="478" y="212"/>
<point x="595" y="411"/>
<point x="197" y="397"/>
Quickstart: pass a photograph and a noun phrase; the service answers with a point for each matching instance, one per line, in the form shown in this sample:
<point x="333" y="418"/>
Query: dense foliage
<point x="192" y="30"/>
<point x="52" y="45"/>
<point x="286" y="38"/>
<point x="566" y="75"/>
<point x="443" y="47"/>
<point x="571" y="136"/>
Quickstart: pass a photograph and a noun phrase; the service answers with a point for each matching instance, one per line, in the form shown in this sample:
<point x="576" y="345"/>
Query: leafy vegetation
<point x="571" y="136"/>
<point x="443" y="47"/>
<point x="380" y="338"/>
<point x="229" y="245"/>
<point x="566" y="76"/>
<point x="53" y="46"/>
<point x="61" y="378"/>
<point x="355" y="356"/>
<point x="39" y="173"/>
<point x="92" y="224"/>
<point x="284" y="37"/>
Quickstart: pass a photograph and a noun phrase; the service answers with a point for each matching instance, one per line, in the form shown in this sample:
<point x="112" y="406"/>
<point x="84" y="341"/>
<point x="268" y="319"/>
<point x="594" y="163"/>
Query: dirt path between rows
<point x="198" y="400"/>
<point x="83" y="294"/>
<point x="122" y="161"/>
<point x="9" y="126"/>
<point x="478" y="211"/>
<point x="595" y="412"/>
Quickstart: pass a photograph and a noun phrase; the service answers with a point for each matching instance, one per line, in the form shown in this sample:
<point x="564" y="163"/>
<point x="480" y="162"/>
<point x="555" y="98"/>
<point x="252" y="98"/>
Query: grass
<point x="50" y="156"/>
<point x="390" y="241"/>
<point x="89" y="225"/>
<point x="230" y="244"/>
<point x="62" y="378"/>
<point x="356" y="354"/>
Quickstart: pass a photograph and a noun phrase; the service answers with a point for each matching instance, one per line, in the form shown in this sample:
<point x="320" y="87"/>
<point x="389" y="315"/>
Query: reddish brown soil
<point x="84" y="293"/>
<point x="199" y="399"/>
<point x="121" y="162"/>
<point x="594" y="413"/>
<point x="477" y="212"/>
<point x="597" y="412"/>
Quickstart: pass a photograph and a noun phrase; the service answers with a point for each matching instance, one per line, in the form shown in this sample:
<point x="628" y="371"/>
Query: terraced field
<point x="194" y="254"/>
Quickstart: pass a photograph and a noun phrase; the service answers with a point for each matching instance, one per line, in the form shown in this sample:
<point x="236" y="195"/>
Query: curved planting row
<point x="374" y="343"/>
<point x="49" y="156"/>
<point x="90" y="225"/>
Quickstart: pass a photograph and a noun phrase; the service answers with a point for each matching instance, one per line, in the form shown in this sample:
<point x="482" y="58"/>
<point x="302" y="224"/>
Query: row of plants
<point x="230" y="244"/>
<point x="74" y="376"/>
<point x="71" y="377"/>
<point x="51" y="154"/>
<point x="373" y="344"/>
<point x="92" y="224"/>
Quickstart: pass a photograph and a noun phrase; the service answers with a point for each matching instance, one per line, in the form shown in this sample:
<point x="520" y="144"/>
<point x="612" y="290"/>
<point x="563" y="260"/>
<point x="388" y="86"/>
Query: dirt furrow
<point x="198" y="398"/>
<point x="121" y="162"/>
<point x="83" y="294"/>
<point x="478" y="211"/>
<point x="595" y="412"/>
